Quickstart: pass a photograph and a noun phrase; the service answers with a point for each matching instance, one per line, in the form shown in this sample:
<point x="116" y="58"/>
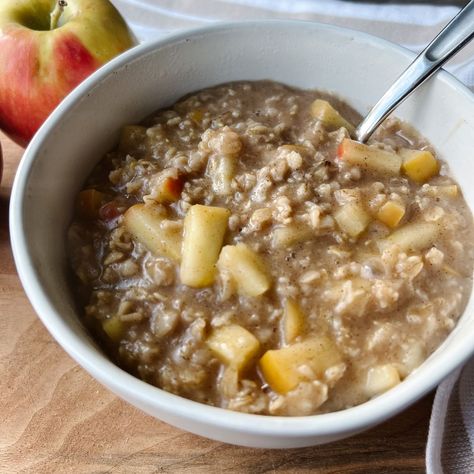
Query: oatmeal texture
<point x="318" y="274"/>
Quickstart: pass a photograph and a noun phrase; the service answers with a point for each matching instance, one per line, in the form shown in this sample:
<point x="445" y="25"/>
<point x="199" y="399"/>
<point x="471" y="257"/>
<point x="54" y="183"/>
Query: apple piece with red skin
<point x="169" y="190"/>
<point x="1" y="163"/>
<point x="47" y="48"/>
<point x="110" y="211"/>
<point x="368" y="157"/>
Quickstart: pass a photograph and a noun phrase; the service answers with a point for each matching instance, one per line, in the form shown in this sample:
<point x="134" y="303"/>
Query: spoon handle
<point x="454" y="36"/>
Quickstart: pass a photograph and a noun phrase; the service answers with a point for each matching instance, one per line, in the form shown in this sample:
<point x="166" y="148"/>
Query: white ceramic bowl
<point x="355" y="66"/>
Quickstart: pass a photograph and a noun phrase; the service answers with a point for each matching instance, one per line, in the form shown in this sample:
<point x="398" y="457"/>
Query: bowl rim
<point x="349" y="420"/>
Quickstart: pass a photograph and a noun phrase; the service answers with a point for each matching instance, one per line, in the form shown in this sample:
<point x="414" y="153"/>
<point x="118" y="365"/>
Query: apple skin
<point x="39" y="66"/>
<point x="170" y="189"/>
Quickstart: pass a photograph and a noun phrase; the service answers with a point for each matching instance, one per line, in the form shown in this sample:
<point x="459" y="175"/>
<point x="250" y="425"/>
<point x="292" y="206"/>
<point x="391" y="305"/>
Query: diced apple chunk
<point x="286" y="236"/>
<point x="413" y="237"/>
<point x="110" y="210"/>
<point x="352" y="218"/>
<point x="147" y="225"/>
<point x="293" y="321"/>
<point x="246" y="269"/>
<point x="233" y="345"/>
<point x="369" y="158"/>
<point x="283" y="369"/>
<point x="380" y="379"/>
<point x="419" y="165"/>
<point x="324" y="111"/>
<point x="391" y="213"/>
<point x="221" y="170"/>
<point x="168" y="189"/>
<point x="114" y="328"/>
<point x="89" y="202"/>
<point x="443" y="190"/>
<point x="204" y="230"/>
<point x="449" y="190"/>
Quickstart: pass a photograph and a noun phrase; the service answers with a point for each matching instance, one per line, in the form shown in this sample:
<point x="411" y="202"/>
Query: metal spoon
<point x="454" y="36"/>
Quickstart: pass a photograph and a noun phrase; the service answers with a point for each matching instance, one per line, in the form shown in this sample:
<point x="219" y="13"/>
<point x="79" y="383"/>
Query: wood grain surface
<point x="54" y="418"/>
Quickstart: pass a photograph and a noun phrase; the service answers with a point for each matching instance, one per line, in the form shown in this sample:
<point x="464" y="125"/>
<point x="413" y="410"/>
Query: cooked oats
<point x="240" y="250"/>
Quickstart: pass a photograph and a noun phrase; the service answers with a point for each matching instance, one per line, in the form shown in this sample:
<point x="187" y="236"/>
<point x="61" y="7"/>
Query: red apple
<point x="47" y="48"/>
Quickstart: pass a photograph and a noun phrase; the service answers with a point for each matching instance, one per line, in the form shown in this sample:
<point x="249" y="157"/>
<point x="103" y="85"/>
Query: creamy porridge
<point x="239" y="249"/>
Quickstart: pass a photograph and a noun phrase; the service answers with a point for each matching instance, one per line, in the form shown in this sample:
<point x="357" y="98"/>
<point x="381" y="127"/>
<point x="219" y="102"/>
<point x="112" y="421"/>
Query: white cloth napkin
<point x="450" y="447"/>
<point x="451" y="437"/>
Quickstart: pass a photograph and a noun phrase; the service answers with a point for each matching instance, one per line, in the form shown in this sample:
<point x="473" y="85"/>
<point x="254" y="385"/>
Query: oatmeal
<point x="241" y="250"/>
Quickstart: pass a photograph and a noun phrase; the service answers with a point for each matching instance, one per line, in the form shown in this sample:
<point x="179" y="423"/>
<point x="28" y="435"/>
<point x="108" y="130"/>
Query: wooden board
<point x="54" y="418"/>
